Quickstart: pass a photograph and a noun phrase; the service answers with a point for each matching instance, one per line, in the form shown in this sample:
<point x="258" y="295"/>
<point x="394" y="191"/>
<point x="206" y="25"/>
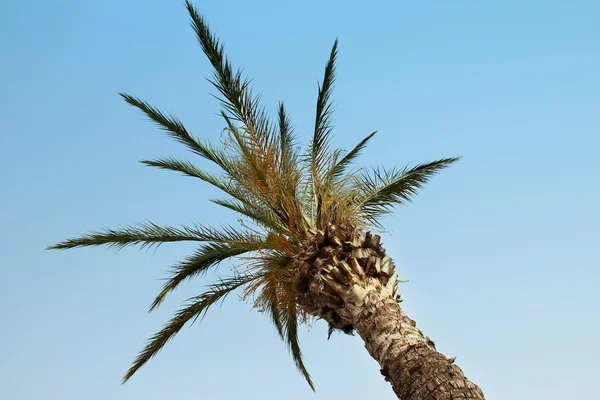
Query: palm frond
<point x="291" y="169"/>
<point x="237" y="96"/>
<point x="382" y="189"/>
<point x="185" y="167"/>
<point x="319" y="153"/>
<point x="207" y="257"/>
<point x="277" y="298"/>
<point x="196" y="307"/>
<point x="177" y="131"/>
<point x="252" y="151"/>
<point x="286" y="140"/>
<point x="291" y="329"/>
<point x="150" y="234"/>
<point x="285" y="320"/>
<point x="319" y="150"/>
<point x="145" y="234"/>
<point x="340" y="167"/>
<point x="263" y="150"/>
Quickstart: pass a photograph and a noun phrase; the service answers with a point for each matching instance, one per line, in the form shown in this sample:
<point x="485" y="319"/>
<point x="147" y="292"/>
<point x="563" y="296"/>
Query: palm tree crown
<point x="287" y="193"/>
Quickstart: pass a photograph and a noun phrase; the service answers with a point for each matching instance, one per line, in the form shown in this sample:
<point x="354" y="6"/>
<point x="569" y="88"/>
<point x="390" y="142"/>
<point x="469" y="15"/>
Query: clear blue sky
<point x="501" y="250"/>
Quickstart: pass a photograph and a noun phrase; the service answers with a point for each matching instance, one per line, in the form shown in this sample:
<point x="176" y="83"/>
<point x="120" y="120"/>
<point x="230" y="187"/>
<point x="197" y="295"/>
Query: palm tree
<point x="305" y="251"/>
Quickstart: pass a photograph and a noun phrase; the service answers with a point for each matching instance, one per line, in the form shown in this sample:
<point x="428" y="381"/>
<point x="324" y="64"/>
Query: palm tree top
<point x="285" y="192"/>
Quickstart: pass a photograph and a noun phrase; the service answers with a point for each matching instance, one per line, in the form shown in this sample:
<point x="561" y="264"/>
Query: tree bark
<point x="416" y="370"/>
<point x="344" y="277"/>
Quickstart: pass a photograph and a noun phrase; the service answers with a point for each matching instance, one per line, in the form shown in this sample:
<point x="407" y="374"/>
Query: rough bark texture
<point x="408" y="359"/>
<point x="344" y="277"/>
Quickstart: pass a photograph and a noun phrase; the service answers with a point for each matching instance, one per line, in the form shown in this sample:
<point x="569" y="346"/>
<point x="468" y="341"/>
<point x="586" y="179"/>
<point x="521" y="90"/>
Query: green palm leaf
<point x="196" y="307"/>
<point x="319" y="149"/>
<point x="150" y="234"/>
<point x="290" y="322"/>
<point x="235" y="90"/>
<point x="281" y="309"/>
<point x="187" y="168"/>
<point x="338" y="170"/>
<point x="319" y="155"/>
<point x="285" y="319"/>
<point x="382" y="189"/>
<point x="206" y="257"/>
<point x="286" y="141"/>
<point x="177" y="131"/>
<point x="145" y="234"/>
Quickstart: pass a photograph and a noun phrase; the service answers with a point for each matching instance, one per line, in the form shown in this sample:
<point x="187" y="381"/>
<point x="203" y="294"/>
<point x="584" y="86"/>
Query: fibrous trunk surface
<point x="344" y="277"/>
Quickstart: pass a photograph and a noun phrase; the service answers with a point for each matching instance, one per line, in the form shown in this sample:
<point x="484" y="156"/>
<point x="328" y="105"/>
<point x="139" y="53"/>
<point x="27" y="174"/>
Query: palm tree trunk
<point x="408" y="360"/>
<point x="344" y="277"/>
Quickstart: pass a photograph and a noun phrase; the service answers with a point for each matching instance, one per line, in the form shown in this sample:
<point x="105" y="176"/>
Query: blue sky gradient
<point x="501" y="250"/>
